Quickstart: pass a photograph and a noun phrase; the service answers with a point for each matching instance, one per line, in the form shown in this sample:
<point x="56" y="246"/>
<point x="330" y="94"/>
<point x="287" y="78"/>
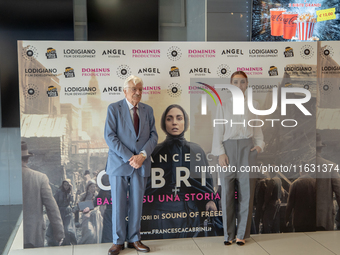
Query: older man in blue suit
<point x="131" y="136"/>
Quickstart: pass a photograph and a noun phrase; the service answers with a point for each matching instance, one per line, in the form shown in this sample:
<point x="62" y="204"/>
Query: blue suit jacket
<point x="123" y="142"/>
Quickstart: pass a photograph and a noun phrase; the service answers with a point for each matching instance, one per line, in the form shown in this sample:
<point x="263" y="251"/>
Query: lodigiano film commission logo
<point x="123" y="71"/>
<point x="326" y="52"/>
<point x="52" y="91"/>
<point x="31" y="91"/>
<point x="307" y="52"/>
<point x="289" y="52"/>
<point x="174" y="53"/>
<point x="69" y="72"/>
<point x="51" y="53"/>
<point x="273" y="71"/>
<point x="174" y="90"/>
<point x="29" y="52"/>
<point x="174" y="71"/>
<point x="326" y="87"/>
<point x="223" y="71"/>
<point x="204" y="96"/>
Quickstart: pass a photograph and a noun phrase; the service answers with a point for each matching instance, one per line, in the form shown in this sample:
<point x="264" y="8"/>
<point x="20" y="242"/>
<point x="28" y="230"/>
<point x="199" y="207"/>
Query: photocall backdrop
<point x="66" y="87"/>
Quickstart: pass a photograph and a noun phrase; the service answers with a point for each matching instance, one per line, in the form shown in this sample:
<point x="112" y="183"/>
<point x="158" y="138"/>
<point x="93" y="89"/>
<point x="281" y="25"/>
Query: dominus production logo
<point x="114" y="53"/>
<point x="69" y="72"/>
<point x="174" y="90"/>
<point x="307" y="52"/>
<point x="273" y="71"/>
<point x="51" y="53"/>
<point x="223" y="71"/>
<point x="327" y="52"/>
<point x="149" y="71"/>
<point x="146" y="53"/>
<point x="252" y="70"/>
<point x="201" y="53"/>
<point x="174" y="71"/>
<point x="95" y="71"/>
<point x="289" y="52"/>
<point x="31" y="91"/>
<point x="232" y="52"/>
<point x="174" y="53"/>
<point x="30" y="52"/>
<point x="148" y="90"/>
<point x="123" y="71"/>
<point x="52" y="91"/>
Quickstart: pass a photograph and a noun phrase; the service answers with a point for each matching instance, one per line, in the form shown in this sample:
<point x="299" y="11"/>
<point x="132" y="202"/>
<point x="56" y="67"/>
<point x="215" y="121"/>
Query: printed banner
<point x="66" y="87"/>
<point x="295" y="20"/>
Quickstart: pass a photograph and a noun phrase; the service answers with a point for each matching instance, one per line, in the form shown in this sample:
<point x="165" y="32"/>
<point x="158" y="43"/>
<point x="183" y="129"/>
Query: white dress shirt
<point x="233" y="130"/>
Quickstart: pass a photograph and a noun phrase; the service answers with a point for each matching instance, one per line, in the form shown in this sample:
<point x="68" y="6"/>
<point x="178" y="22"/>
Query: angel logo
<point x="288" y="53"/>
<point x="273" y="71"/>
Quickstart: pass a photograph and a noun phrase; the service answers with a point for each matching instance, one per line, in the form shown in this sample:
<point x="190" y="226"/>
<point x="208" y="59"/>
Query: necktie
<point x="135" y="120"/>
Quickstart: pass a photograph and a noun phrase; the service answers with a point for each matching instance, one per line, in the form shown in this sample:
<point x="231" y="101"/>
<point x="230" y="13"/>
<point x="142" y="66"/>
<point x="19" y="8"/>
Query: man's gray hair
<point x="135" y="80"/>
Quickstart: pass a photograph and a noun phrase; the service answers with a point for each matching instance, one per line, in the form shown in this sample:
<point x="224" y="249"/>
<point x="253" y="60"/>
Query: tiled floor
<point x="314" y="243"/>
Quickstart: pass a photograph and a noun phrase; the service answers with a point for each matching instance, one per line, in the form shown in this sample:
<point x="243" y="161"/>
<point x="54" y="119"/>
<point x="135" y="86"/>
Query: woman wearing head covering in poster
<point x="92" y="220"/>
<point x="180" y="209"/>
<point x="65" y="201"/>
<point x="237" y="146"/>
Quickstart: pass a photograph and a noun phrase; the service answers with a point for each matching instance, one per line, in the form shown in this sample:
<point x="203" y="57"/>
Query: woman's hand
<point x="211" y="206"/>
<point x="223" y="160"/>
<point x="258" y="148"/>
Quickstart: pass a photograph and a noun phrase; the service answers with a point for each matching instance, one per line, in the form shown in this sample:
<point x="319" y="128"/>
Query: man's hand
<point x="223" y="160"/>
<point x="136" y="161"/>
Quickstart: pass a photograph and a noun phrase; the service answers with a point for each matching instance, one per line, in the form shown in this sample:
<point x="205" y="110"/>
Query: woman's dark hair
<point x="62" y="186"/>
<point x="238" y="73"/>
<point x="186" y="117"/>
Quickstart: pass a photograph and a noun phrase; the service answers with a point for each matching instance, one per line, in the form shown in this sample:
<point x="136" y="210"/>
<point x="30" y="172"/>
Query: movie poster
<point x="66" y="87"/>
<point x="296" y="20"/>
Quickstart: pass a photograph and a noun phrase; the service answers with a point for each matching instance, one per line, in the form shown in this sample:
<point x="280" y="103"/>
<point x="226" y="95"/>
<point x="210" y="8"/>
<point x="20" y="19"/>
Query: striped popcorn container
<point x="305" y="30"/>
